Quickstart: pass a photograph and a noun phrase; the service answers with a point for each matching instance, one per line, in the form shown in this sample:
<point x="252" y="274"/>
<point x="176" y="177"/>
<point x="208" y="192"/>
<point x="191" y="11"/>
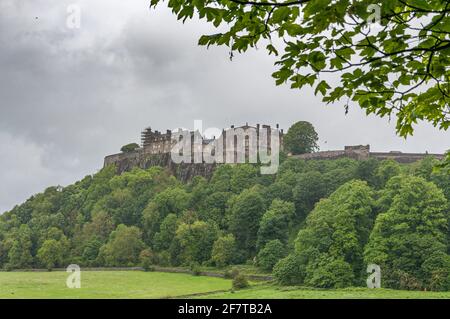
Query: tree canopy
<point x="409" y="240"/>
<point x="334" y="236"/>
<point x="129" y="148"/>
<point x="316" y="223"/>
<point x="390" y="57"/>
<point x="301" y="138"/>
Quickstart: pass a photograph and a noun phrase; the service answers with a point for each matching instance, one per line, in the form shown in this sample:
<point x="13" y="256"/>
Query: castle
<point x="235" y="145"/>
<point x="241" y="144"/>
<point x="231" y="142"/>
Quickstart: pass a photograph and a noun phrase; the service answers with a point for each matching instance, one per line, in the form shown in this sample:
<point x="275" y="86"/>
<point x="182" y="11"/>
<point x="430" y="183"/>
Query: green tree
<point x="328" y="272"/>
<point x="272" y="252"/>
<point x="172" y="200"/>
<point x="123" y="247"/>
<point x="121" y="204"/>
<point x="214" y="207"/>
<point x="244" y="218"/>
<point x="243" y="176"/>
<point x="386" y="170"/>
<point x="301" y="138"/>
<point x="224" y="249"/>
<point x="100" y="226"/>
<point x="240" y="282"/>
<point x="366" y="171"/>
<point x="409" y="240"/>
<point x="290" y="270"/>
<point x="51" y="254"/>
<point x="310" y="187"/>
<point x="279" y="190"/>
<point x="196" y="241"/>
<point x="19" y="255"/>
<point x="147" y="258"/>
<point x="398" y="70"/>
<point x="335" y="233"/>
<point x="220" y="181"/>
<point x="276" y="222"/>
<point x="428" y="169"/>
<point x="166" y="233"/>
<point x="129" y="148"/>
<point x="91" y="251"/>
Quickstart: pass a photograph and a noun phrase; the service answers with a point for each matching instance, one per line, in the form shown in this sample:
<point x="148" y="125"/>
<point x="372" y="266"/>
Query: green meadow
<point x="138" y="284"/>
<point x="274" y="292"/>
<point x="107" y="284"/>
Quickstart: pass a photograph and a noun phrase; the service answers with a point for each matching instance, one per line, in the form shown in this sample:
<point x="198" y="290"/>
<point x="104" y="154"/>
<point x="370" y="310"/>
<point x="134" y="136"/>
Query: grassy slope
<point x="272" y="292"/>
<point x="137" y="284"/>
<point x="106" y="284"/>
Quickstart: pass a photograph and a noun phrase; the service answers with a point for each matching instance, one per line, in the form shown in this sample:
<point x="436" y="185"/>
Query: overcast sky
<point x="68" y="97"/>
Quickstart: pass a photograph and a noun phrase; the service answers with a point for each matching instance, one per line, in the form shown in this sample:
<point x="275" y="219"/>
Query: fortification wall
<point x="362" y="152"/>
<point x="358" y="152"/>
<point x="321" y="155"/>
<point x="404" y="157"/>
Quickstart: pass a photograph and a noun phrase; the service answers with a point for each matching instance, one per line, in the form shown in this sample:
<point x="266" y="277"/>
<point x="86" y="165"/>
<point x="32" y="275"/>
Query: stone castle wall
<point x="156" y="147"/>
<point x="362" y="152"/>
<point x="156" y="150"/>
<point x="184" y="171"/>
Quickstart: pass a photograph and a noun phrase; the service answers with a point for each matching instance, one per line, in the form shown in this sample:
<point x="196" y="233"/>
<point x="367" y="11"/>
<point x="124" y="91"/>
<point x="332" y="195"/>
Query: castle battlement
<point x="362" y="152"/>
<point x="155" y="142"/>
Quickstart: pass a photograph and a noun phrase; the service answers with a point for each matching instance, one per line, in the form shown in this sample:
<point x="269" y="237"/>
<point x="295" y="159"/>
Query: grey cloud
<point x="69" y="97"/>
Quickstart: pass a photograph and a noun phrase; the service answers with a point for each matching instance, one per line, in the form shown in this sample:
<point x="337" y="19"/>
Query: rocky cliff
<point x="184" y="171"/>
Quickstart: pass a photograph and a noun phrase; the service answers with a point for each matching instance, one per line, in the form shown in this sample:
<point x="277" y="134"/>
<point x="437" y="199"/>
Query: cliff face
<point x="184" y="171"/>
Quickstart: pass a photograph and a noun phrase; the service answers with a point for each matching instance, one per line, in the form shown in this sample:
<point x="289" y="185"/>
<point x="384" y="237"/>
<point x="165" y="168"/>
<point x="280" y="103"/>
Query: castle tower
<point x="147" y="137"/>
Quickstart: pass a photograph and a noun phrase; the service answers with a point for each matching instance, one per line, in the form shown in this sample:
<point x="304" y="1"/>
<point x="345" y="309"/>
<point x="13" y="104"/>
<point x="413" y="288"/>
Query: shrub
<point x="330" y="274"/>
<point x="240" y="282"/>
<point x="129" y="148"/>
<point x="147" y="258"/>
<point x="223" y="250"/>
<point x="164" y="258"/>
<point x="440" y="280"/>
<point x="289" y="271"/>
<point x="195" y="268"/>
<point x="272" y="252"/>
<point x="230" y="274"/>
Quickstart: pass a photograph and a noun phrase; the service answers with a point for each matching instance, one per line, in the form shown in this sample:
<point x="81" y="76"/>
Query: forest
<point x="316" y="223"/>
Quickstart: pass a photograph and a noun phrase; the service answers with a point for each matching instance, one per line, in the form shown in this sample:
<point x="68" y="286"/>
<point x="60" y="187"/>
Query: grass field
<point x="274" y="292"/>
<point x="138" y="284"/>
<point x="107" y="284"/>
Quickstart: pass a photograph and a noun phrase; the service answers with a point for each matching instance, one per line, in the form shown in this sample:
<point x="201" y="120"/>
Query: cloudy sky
<point x="68" y="97"/>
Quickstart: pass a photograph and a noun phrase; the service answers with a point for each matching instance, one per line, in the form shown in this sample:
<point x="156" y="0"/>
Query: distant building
<point x="155" y="142"/>
<point x="156" y="148"/>
<point x="235" y="143"/>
